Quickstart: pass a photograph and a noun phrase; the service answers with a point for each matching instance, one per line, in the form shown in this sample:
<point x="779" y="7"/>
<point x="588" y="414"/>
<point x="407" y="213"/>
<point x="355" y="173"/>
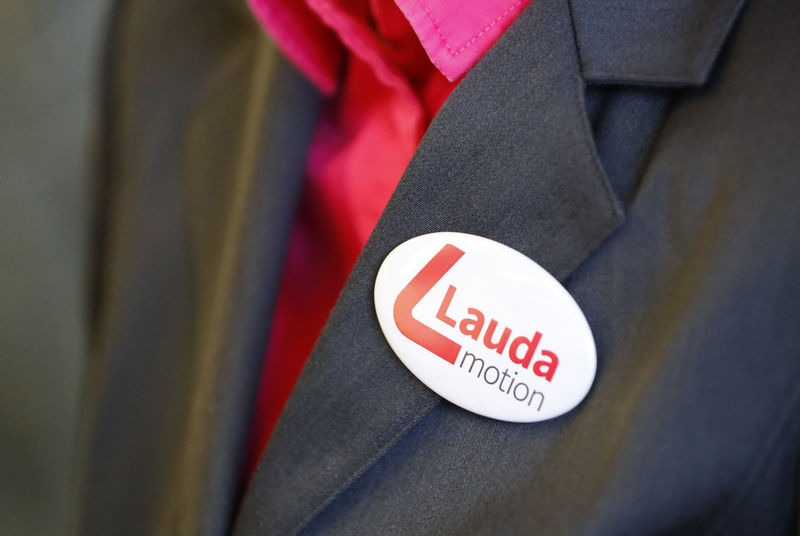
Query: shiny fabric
<point x="365" y="136"/>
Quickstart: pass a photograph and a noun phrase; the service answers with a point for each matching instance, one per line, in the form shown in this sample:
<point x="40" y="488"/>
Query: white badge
<point x="485" y="327"/>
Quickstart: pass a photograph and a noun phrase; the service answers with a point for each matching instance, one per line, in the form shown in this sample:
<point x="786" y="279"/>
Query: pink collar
<point x="457" y="33"/>
<point x="454" y="33"/>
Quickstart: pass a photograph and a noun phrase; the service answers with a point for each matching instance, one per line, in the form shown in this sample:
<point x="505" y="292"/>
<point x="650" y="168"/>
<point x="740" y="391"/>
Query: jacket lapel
<point x="486" y="166"/>
<point x="510" y="156"/>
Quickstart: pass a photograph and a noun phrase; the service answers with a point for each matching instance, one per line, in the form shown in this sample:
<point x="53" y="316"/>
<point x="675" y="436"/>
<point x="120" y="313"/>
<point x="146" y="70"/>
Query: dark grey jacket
<point x="647" y="154"/>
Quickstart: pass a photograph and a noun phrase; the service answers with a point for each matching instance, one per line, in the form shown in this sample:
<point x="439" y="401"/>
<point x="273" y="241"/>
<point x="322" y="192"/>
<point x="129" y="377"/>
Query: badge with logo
<point x="485" y="327"/>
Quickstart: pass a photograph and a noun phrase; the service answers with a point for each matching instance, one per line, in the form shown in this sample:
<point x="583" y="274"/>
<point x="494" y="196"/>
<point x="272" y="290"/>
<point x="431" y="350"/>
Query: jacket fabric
<point x="645" y="154"/>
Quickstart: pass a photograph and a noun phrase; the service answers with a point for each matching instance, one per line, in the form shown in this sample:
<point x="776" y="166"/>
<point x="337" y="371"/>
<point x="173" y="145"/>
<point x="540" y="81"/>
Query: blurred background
<point x="49" y="58"/>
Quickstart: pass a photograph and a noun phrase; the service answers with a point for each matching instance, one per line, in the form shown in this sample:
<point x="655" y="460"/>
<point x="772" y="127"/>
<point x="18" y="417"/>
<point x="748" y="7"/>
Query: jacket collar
<point x="663" y="43"/>
<point x="486" y="166"/>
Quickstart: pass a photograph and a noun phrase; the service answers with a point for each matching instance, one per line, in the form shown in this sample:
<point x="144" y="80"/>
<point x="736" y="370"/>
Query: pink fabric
<point x="383" y="90"/>
<point x="457" y="33"/>
<point x="310" y="45"/>
<point x="454" y="33"/>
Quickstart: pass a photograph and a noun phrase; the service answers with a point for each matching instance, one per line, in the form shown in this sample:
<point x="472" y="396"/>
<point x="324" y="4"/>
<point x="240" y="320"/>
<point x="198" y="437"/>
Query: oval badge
<point x="485" y="327"/>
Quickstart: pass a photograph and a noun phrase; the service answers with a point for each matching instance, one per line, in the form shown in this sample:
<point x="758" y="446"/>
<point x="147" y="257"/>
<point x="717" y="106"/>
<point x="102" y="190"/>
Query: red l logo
<point x="413" y="293"/>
